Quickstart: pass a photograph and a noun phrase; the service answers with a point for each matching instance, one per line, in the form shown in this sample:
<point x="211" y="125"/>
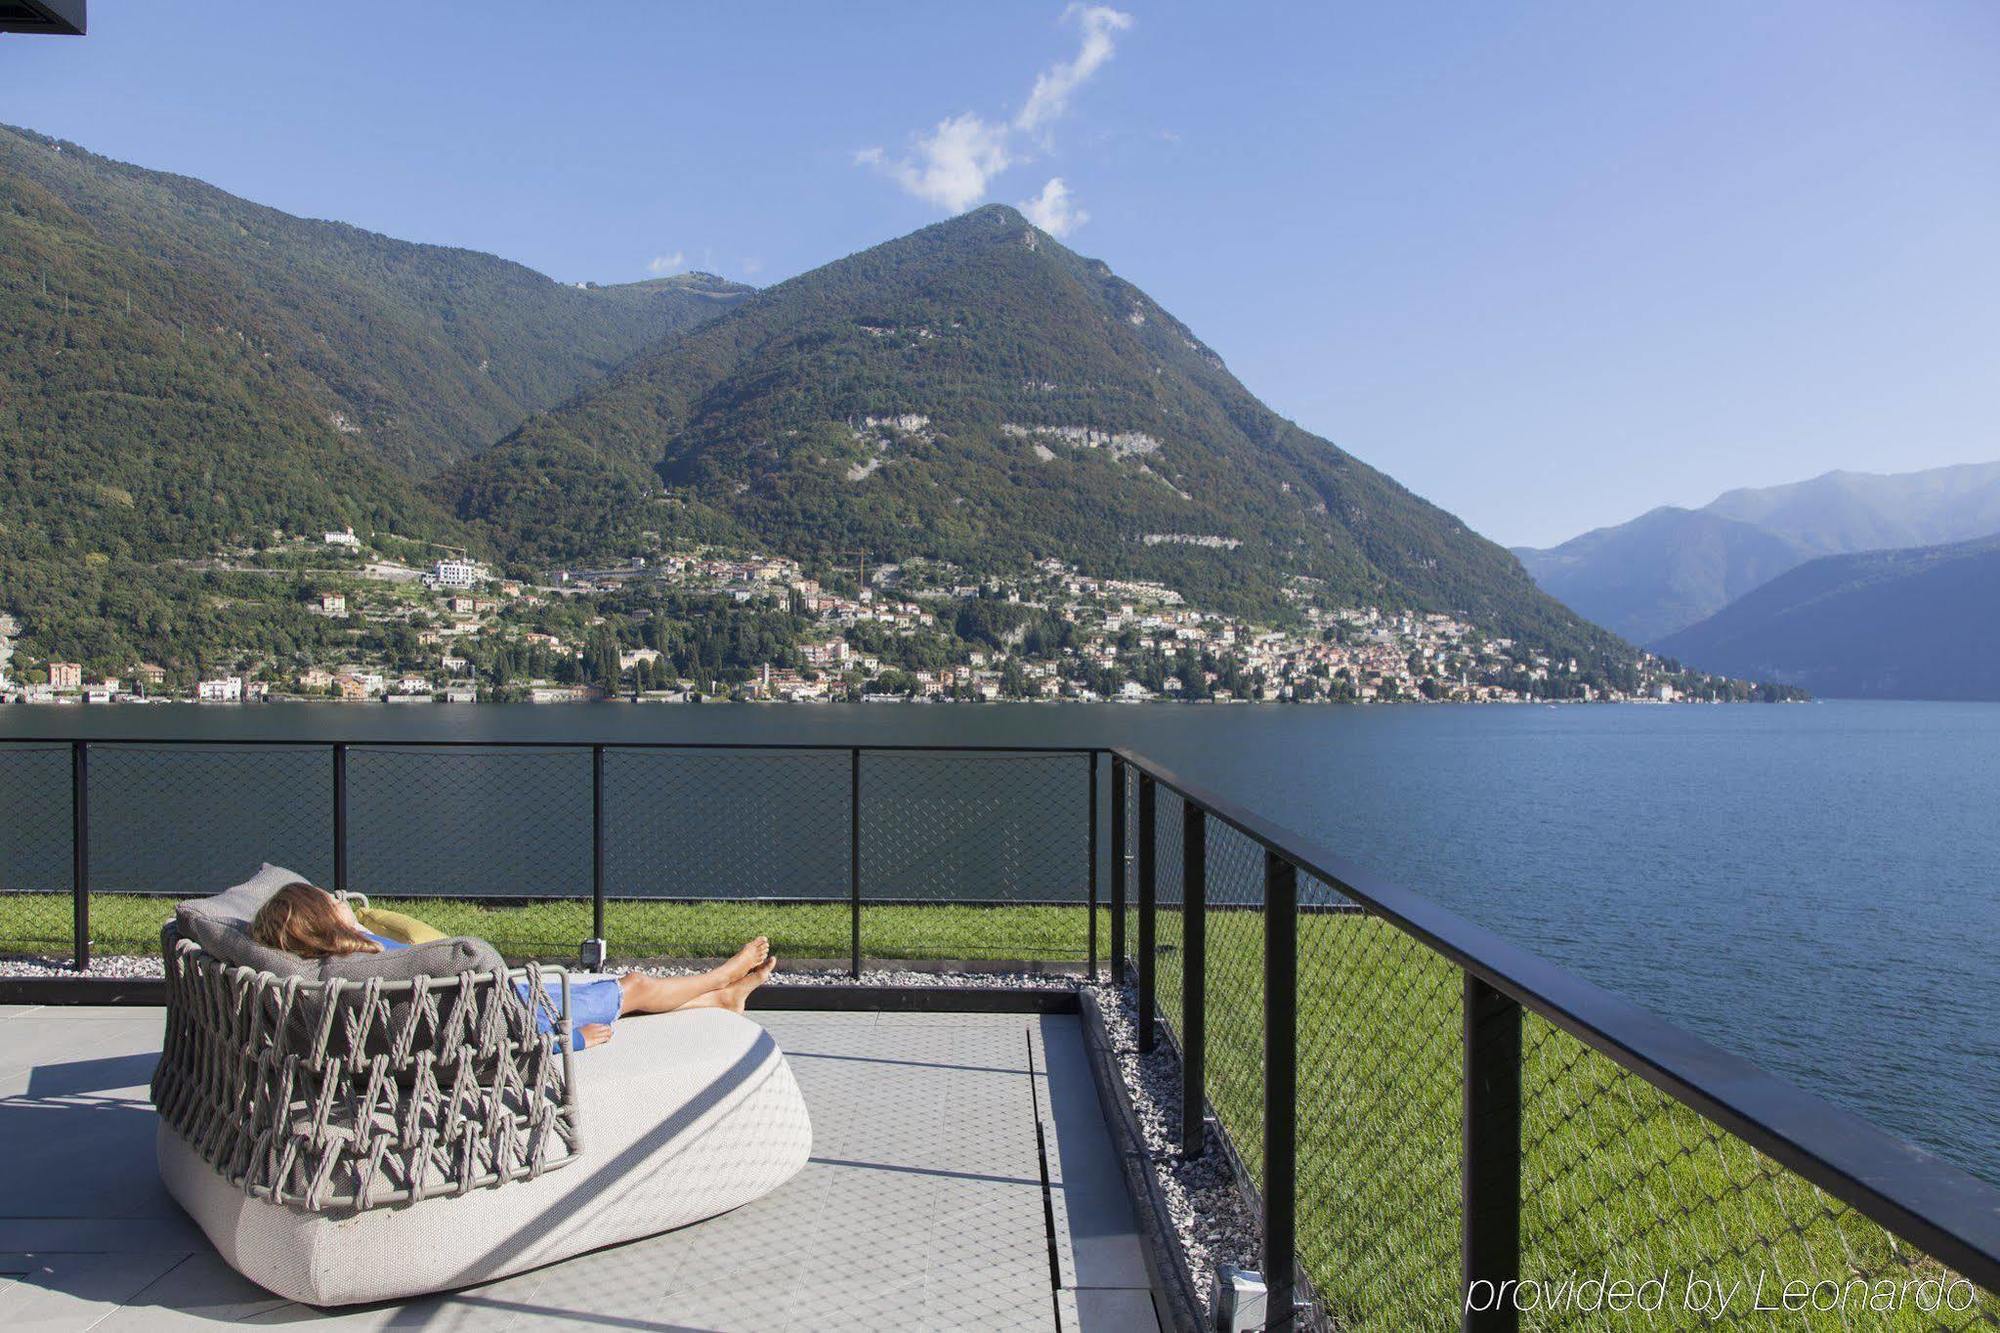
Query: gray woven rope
<point x="342" y="1096"/>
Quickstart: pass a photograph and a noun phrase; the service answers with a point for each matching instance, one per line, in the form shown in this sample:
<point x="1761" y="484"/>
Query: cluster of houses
<point x="1120" y="639"/>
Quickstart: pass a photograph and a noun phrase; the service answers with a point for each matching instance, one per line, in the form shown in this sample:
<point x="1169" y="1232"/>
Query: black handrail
<point x="1931" y="1203"/>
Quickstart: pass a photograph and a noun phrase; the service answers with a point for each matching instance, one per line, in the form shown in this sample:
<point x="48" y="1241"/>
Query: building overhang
<point x="59" y="18"/>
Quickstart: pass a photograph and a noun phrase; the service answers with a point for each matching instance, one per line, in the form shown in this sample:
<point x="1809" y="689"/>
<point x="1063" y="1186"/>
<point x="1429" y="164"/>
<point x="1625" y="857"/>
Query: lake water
<point x="1811" y="886"/>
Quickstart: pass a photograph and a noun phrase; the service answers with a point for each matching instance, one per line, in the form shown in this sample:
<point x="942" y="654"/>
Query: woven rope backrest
<point x="343" y="1096"/>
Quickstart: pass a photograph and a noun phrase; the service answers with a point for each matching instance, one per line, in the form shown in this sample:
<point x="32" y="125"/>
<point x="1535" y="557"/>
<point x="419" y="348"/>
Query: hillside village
<point x="704" y="624"/>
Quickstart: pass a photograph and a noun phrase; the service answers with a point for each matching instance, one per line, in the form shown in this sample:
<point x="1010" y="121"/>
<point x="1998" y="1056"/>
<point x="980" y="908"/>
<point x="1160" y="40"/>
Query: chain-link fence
<point x="1605" y="1178"/>
<point x="975" y="856"/>
<point x="839" y="855"/>
<point x="487" y="841"/>
<point x="1381" y="1087"/>
<point x="37" y="909"/>
<point x="1616" y="1176"/>
<point x="705" y="848"/>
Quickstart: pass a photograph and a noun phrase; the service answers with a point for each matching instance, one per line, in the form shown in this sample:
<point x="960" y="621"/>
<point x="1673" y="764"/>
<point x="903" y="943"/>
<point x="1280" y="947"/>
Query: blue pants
<point x="596" y="1000"/>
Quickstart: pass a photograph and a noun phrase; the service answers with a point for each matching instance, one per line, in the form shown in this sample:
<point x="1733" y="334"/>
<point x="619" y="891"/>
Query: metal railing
<point x="1444" y="1127"/>
<point x="854" y="851"/>
<point x="1431" y="1119"/>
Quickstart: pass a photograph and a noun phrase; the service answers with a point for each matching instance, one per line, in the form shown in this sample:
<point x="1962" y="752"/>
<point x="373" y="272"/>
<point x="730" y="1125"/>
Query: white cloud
<point x="752" y="267"/>
<point x="1050" y="96"/>
<point x="1054" y="210"/>
<point x="954" y="164"/>
<point x="666" y="263"/>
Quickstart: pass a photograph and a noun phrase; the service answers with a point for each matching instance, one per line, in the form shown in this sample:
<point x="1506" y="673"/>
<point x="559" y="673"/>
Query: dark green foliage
<point x="182" y="370"/>
<point x="182" y="367"/>
<point x="754" y="429"/>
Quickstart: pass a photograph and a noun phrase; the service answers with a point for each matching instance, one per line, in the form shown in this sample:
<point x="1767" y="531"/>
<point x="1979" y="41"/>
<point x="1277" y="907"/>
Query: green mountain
<point x="180" y="368"/>
<point x="1670" y="568"/>
<point x="1908" y="624"/>
<point x="977" y="393"/>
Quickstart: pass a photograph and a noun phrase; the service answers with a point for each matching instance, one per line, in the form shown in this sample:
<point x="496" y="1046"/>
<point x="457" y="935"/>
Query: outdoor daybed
<point x="383" y="1125"/>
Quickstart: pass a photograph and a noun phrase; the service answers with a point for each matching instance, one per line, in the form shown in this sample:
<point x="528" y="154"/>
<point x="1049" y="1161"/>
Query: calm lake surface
<point x="1811" y="886"/>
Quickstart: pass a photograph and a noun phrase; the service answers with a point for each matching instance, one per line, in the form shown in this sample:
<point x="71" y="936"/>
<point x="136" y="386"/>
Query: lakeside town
<point x="705" y="624"/>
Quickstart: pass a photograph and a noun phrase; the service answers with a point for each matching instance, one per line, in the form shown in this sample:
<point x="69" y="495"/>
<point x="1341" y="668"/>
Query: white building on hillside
<point x="455" y="574"/>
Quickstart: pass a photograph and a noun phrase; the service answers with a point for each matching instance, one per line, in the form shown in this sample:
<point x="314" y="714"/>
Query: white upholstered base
<point x="682" y="1116"/>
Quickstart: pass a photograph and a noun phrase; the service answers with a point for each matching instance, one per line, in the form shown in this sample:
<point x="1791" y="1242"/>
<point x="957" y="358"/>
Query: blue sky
<point x="1547" y="264"/>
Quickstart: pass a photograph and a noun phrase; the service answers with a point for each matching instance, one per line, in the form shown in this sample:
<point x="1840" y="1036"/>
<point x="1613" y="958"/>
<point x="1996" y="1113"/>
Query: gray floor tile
<point x="58" y="1292"/>
<point x="921" y="1208"/>
<point x="1107" y="1310"/>
<point x="1096" y="1234"/>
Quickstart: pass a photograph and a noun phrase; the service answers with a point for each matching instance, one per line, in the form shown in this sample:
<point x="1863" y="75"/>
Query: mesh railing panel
<point x="183" y="820"/>
<point x="1170" y="898"/>
<point x="176" y="821"/>
<point x="975" y="856"/>
<point x="1618" y="1177"/>
<point x="490" y="842"/>
<point x="1379" y="1117"/>
<point x="1130" y="871"/>
<point x="705" y="848"/>
<point x="36" y="905"/>
<point x="1234" y="1060"/>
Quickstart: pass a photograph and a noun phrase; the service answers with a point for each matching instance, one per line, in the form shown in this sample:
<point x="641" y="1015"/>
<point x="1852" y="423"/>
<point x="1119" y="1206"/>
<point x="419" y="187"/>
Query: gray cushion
<point x="439" y="958"/>
<point x="220" y="924"/>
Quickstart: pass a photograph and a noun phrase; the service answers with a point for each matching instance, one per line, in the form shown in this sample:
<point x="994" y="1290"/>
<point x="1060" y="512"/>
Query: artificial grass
<point x="1618" y="1180"/>
<point x="40" y="923"/>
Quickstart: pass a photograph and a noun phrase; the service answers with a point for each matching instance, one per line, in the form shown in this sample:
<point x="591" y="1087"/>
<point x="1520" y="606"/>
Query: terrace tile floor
<point x="924" y="1205"/>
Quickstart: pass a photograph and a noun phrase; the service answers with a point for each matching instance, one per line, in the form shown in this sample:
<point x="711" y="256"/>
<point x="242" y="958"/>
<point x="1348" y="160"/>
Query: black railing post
<point x="1491" y="1173"/>
<point x="1092" y="929"/>
<point x="79" y="850"/>
<point x="340" y="817"/>
<point x="1194" y="973"/>
<point x="595" y="949"/>
<point x="1281" y="1087"/>
<point x="1148" y="858"/>
<point x="1118" y="870"/>
<point x="854" y="860"/>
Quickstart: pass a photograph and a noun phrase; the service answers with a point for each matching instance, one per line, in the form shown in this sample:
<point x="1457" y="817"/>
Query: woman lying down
<point x="306" y="920"/>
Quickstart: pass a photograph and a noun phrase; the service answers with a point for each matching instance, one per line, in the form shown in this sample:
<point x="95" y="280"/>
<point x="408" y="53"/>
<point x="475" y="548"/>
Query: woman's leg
<point x="660" y="995"/>
<point x="736" y="994"/>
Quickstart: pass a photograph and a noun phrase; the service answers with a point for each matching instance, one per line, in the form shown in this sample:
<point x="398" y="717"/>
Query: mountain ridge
<point x="1909" y="623"/>
<point x="978" y="393"/>
<point x="1672" y="567"/>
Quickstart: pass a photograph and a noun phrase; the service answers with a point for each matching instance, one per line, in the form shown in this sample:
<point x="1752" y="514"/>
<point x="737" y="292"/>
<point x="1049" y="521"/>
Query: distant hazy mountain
<point x="1662" y="571"/>
<point x="1670" y="568"/>
<point x="1842" y="512"/>
<point x="976" y="392"/>
<point x="1910" y="624"/>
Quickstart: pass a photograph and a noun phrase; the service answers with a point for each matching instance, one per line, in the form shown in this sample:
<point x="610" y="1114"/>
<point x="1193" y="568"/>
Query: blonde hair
<point x="305" y="919"/>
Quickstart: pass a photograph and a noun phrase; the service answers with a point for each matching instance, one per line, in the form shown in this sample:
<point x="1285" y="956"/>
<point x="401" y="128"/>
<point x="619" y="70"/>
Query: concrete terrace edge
<point x="1174" y="1296"/>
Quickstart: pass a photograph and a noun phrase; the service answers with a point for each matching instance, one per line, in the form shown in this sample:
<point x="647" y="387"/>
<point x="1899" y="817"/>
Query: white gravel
<point x="149" y="965"/>
<point x="1209" y="1216"/>
<point x="124" y="967"/>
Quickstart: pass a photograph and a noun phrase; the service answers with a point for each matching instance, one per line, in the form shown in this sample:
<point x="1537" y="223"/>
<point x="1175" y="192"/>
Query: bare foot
<point x="750" y="956"/>
<point x="736" y="995"/>
<point x="596" y="1034"/>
